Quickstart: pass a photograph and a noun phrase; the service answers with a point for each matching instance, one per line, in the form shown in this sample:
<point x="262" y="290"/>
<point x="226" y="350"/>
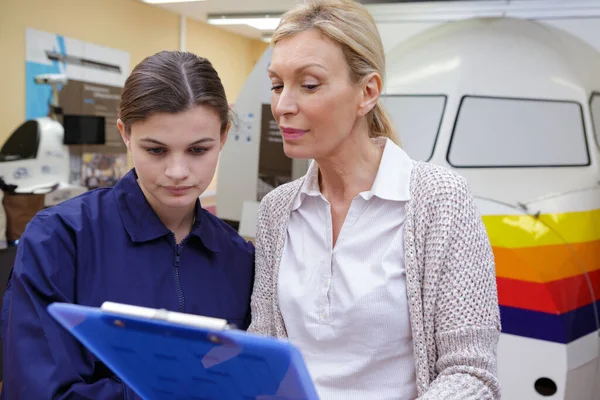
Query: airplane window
<point x="595" y="108"/>
<point x="503" y="132"/>
<point x="417" y="120"/>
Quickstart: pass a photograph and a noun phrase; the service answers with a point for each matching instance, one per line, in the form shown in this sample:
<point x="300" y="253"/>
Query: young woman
<point x="376" y="267"/>
<point x="146" y="241"/>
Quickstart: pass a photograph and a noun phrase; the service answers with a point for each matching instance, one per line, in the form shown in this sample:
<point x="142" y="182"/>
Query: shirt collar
<point x="143" y="224"/>
<point x="393" y="176"/>
<point x="392" y="181"/>
<point x="310" y="185"/>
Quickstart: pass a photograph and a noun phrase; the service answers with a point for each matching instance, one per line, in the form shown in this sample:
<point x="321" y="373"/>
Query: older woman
<point x="376" y="267"/>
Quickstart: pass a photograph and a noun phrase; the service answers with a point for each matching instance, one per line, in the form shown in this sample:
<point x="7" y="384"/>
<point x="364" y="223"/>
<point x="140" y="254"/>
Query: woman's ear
<point x="124" y="134"/>
<point x="370" y="93"/>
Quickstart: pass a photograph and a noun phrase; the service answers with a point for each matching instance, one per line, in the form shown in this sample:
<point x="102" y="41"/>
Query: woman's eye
<point x="276" y="88"/>
<point x="156" y="150"/>
<point x="311" y="87"/>
<point x="198" y="150"/>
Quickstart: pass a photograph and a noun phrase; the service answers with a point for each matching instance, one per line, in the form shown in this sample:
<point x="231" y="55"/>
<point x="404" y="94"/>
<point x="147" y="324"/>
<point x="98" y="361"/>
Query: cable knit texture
<point x="450" y="277"/>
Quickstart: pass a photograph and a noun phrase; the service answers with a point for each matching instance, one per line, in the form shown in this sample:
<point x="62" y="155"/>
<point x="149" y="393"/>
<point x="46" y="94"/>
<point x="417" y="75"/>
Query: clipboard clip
<point x="161" y="314"/>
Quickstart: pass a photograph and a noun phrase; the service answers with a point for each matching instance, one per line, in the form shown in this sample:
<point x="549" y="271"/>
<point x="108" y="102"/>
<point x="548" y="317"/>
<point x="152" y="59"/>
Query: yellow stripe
<point x="516" y="231"/>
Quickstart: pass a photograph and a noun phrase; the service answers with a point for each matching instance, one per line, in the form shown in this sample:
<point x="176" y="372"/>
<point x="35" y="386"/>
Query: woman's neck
<point x="179" y="223"/>
<point x="350" y="170"/>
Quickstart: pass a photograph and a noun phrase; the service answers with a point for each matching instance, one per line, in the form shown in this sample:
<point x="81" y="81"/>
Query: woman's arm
<point x="466" y="315"/>
<point x="42" y="360"/>
<point x="261" y="303"/>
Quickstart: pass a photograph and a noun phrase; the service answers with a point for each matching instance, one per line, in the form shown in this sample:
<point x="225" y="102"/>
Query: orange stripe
<point x="544" y="264"/>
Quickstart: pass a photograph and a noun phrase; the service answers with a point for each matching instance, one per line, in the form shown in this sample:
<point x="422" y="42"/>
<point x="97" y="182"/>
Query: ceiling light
<point x="168" y="1"/>
<point x="263" y="22"/>
<point x="266" y="37"/>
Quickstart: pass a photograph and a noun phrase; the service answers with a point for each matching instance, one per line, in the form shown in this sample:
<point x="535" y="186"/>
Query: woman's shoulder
<point x="76" y="205"/>
<point x="227" y="234"/>
<point x="65" y="221"/>
<point x="432" y="182"/>
<point x="280" y="197"/>
<point x="74" y="213"/>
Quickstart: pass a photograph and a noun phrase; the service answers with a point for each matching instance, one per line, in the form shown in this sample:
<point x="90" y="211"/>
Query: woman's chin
<point x="179" y="200"/>
<point x="298" y="151"/>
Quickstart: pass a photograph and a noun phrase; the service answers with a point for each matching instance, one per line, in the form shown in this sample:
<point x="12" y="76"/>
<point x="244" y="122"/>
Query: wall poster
<point x="96" y="75"/>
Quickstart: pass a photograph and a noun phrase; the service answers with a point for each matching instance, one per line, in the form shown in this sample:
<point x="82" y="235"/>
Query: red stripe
<point x="556" y="297"/>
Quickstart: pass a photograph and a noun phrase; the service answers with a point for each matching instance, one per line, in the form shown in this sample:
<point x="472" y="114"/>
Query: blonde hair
<point x="351" y="26"/>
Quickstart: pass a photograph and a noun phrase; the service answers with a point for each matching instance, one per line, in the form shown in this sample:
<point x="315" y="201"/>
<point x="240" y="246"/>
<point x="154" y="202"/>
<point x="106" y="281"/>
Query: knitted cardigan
<point x="450" y="278"/>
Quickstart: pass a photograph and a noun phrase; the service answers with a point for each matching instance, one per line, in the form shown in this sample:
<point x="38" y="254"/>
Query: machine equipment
<point x="34" y="158"/>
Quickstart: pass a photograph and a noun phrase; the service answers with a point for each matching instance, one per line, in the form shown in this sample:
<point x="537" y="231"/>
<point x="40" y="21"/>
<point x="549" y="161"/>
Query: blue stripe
<point x="37" y="96"/>
<point x="559" y="328"/>
<point x="62" y="48"/>
<point x="61" y="45"/>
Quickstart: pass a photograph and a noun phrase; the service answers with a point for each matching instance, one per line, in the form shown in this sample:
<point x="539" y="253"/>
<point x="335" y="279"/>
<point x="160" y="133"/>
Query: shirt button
<point x="324" y="315"/>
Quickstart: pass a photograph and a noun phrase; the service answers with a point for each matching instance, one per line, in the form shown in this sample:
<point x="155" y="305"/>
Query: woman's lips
<point x="178" y="190"/>
<point x="292" y="133"/>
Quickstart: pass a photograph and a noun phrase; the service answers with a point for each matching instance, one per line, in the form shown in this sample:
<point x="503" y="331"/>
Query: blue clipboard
<point x="159" y="359"/>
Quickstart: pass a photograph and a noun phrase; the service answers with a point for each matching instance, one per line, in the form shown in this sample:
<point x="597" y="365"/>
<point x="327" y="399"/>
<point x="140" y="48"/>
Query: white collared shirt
<point x="346" y="308"/>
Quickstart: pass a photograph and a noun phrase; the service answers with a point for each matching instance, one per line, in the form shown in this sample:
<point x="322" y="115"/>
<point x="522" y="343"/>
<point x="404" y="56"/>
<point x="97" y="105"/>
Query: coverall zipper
<point x="176" y="263"/>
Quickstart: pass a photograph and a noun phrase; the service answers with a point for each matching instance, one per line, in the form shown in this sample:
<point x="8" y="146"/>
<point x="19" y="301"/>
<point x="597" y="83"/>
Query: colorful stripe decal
<point x="548" y="273"/>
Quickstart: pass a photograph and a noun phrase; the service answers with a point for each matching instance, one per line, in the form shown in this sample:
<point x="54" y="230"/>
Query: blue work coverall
<point x="109" y="245"/>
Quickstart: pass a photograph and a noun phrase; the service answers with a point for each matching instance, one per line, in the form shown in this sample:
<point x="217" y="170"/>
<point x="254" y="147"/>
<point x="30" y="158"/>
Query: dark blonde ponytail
<point x="380" y="124"/>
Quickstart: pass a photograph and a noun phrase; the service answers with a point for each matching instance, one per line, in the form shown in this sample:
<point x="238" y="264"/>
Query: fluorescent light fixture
<point x="169" y="1"/>
<point x="266" y="37"/>
<point x="263" y="22"/>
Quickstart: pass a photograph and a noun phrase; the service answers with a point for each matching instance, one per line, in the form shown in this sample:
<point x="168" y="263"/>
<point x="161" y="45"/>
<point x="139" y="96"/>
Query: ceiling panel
<point x="198" y="10"/>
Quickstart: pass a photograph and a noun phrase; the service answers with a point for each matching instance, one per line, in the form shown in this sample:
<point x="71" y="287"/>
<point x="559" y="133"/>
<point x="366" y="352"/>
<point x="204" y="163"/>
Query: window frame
<point x="439" y="128"/>
<point x="595" y="128"/>
<point x="460" y="109"/>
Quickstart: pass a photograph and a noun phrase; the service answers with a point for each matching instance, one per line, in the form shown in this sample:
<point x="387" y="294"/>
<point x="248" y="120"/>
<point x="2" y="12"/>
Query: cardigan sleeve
<point x="466" y="314"/>
<point x="261" y="303"/>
